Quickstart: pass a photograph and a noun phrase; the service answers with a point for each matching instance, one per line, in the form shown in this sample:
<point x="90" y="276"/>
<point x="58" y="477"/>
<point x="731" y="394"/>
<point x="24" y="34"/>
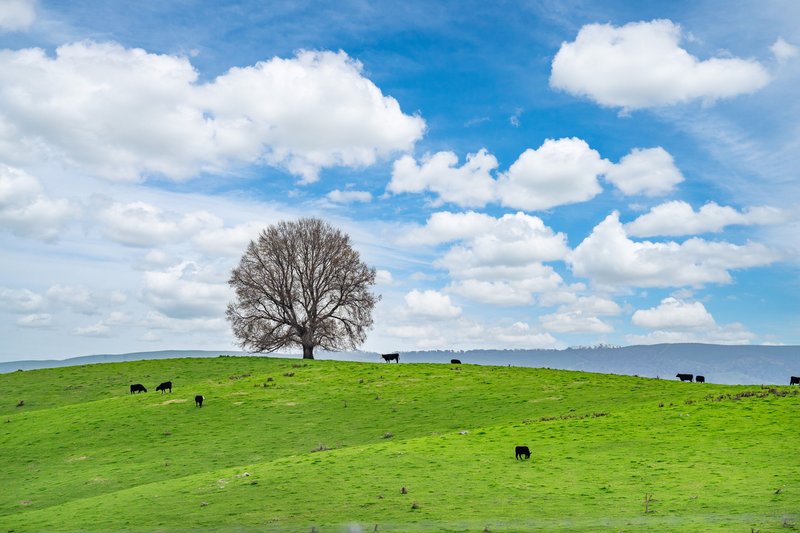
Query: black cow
<point x="137" y="388"/>
<point x="164" y="386"/>
<point x="794" y="380"/>
<point x="198" y="400"/>
<point x="388" y="357"/>
<point x="684" y="377"/>
<point x="455" y="362"/>
<point x="523" y="452"/>
<point x="700" y="379"/>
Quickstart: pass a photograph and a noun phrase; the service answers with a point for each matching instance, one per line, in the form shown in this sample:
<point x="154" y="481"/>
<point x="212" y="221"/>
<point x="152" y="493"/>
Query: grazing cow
<point x="455" y="362"/>
<point x="388" y="357"/>
<point x="523" y="452"/>
<point x="700" y="379"/>
<point x="137" y="388"/>
<point x="198" y="400"/>
<point x="164" y="386"/>
<point x="794" y="380"/>
<point x="684" y="377"/>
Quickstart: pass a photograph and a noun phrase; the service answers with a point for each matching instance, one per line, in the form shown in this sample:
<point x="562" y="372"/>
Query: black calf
<point x="455" y="362"/>
<point x="523" y="452"/>
<point x="700" y="379"/>
<point x="391" y="357"/>
<point x="164" y="386"/>
<point x="198" y="400"/>
<point x="137" y="388"/>
<point x="684" y="377"/>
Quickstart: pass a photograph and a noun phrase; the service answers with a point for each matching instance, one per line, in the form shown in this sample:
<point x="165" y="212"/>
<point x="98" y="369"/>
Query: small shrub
<point x="414" y="505"/>
<point x="21" y="403"/>
<point x="388" y="435"/>
<point x="320" y="448"/>
<point x="288" y="374"/>
<point x="269" y="379"/>
<point x="403" y="490"/>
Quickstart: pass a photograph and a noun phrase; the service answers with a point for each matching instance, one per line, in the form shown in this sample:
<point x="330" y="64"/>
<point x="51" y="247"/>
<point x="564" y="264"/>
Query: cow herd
<point x="164" y="387"/>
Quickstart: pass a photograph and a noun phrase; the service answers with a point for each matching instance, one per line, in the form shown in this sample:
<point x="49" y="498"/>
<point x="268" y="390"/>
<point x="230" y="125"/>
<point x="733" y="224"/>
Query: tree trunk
<point x="308" y="352"/>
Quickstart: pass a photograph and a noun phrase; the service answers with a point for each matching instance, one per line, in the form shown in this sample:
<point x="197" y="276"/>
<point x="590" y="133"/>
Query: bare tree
<point x="301" y="283"/>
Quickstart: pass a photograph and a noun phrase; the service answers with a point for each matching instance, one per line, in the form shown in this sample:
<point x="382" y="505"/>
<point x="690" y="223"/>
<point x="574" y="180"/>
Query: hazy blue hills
<point x="740" y="364"/>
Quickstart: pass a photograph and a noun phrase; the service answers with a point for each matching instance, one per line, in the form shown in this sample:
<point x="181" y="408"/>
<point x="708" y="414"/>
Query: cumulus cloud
<point x="574" y="322"/>
<point x="431" y="304"/>
<point x="650" y="171"/>
<point x="383" y="277"/>
<point x="27" y="211"/>
<point x="470" y="185"/>
<point x="609" y="258"/>
<point x="642" y="64"/>
<point x="580" y="315"/>
<point x="348" y="197"/>
<point x="93" y="330"/>
<point x="445" y="226"/>
<point x="673" y="313"/>
<point x="733" y="333"/>
<point x="145" y="225"/>
<point x="561" y="171"/>
<point x="496" y="261"/>
<point x="492" y="292"/>
<point x="514" y="240"/>
<point x="17" y="15"/>
<point x="184" y="291"/>
<point x="230" y="241"/>
<point x="20" y="300"/>
<point x="142" y="113"/>
<point x="678" y="218"/>
<point x="783" y="51"/>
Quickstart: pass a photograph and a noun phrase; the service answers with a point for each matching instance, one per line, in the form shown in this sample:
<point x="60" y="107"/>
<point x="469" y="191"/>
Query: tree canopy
<point x="301" y="284"/>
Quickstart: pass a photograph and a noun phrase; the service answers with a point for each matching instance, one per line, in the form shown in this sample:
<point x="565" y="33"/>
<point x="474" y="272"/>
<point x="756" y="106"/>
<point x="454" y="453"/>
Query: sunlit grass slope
<point x="294" y="445"/>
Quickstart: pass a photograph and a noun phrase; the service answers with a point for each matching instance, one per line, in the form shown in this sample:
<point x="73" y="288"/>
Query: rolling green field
<point x="292" y="445"/>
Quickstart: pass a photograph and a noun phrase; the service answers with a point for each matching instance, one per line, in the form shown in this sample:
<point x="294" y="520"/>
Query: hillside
<point x="739" y="364"/>
<point x="294" y="445"/>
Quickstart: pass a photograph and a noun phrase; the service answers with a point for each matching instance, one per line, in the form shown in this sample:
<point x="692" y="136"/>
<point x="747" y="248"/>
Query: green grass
<point x="332" y="445"/>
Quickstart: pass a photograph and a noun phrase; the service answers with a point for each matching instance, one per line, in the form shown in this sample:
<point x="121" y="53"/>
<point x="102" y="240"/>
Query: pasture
<point x="300" y="445"/>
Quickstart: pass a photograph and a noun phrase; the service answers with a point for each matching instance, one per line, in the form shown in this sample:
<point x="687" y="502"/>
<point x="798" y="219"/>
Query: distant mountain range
<point x="740" y="364"/>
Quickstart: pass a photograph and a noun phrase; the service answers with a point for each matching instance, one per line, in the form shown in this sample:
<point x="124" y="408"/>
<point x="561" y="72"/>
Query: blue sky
<point x="521" y="174"/>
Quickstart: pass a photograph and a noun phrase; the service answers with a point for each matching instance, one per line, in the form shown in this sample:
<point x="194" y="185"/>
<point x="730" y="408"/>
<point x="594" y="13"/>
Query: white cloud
<point x="470" y="185"/>
<point x="783" y="51"/>
<point x="36" y="320"/>
<point x="733" y="333"/>
<point x="93" y="330"/>
<point x="142" y="113"/>
<point x="26" y="211"/>
<point x="183" y="291"/>
<point x="678" y="218"/>
<point x="230" y="242"/>
<point x="16" y="15"/>
<point x="431" y="304"/>
<point x="77" y="298"/>
<point x="561" y="171"/>
<point x="20" y="300"/>
<point x="513" y="241"/>
<point x="574" y="322"/>
<point x="383" y="277"/>
<point x="520" y="335"/>
<point x="648" y="171"/>
<point x="641" y="64"/>
<point x="145" y="225"/>
<point x="445" y="226"/>
<point x="492" y="292"/>
<point x="673" y="313"/>
<point x="610" y="258"/>
<point x="347" y="197"/>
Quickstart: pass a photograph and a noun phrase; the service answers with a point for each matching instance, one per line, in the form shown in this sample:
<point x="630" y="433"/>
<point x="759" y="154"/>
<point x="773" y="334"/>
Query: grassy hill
<point x="294" y="445"/>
